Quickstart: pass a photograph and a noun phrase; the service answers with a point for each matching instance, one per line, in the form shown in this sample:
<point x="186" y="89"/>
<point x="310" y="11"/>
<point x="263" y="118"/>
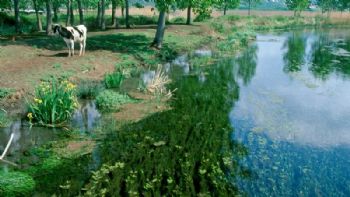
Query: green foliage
<point x="13" y="184"/>
<point x="4" y="120"/>
<point x="4" y="92"/>
<point x="138" y="5"/>
<point x="111" y="101"/>
<point x="114" y="80"/>
<point x="202" y="17"/>
<point x="178" y="20"/>
<point x="53" y="104"/>
<point x="88" y="89"/>
<point x="297" y="5"/>
<point x="227" y="4"/>
<point x="294" y="56"/>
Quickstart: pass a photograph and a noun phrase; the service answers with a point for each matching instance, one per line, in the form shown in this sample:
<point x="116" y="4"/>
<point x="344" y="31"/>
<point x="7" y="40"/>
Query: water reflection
<point x="293" y="116"/>
<point x="86" y="117"/>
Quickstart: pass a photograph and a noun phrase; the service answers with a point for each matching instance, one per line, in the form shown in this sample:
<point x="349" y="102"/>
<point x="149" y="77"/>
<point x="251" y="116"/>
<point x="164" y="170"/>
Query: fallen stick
<point x="5" y="151"/>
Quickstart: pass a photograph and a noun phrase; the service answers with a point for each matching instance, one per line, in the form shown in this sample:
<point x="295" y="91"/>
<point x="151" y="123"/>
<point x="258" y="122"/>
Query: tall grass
<point x="53" y="104"/>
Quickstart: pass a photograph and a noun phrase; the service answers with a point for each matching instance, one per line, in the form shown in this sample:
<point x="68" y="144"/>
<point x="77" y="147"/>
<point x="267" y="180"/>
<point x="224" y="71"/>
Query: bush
<point x="53" y="104"/>
<point x="88" y="89"/>
<point x="179" y="20"/>
<point x="16" y="184"/>
<point x="202" y="17"/>
<point x="4" y="120"/>
<point x="111" y="101"/>
<point x="114" y="80"/>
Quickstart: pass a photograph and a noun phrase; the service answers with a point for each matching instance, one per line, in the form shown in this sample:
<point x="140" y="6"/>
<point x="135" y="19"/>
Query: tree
<point x="198" y="6"/>
<point x="297" y="6"/>
<point x="36" y="5"/>
<point x="127" y="14"/>
<point x="68" y="20"/>
<point x="226" y="4"/>
<point x="17" y="18"/>
<point x="81" y="13"/>
<point x="99" y="14"/>
<point x="103" y="21"/>
<point x="48" y="16"/>
<point x="250" y="4"/>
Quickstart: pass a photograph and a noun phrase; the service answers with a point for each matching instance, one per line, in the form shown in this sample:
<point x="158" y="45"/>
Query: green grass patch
<point x="4" y="119"/>
<point x="13" y="184"/>
<point x="4" y="92"/>
<point x="111" y="101"/>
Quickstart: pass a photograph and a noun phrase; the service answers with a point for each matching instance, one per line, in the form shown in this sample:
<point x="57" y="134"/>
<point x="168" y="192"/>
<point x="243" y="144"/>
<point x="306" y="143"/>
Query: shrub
<point x="16" y="184"/>
<point x="202" y="17"/>
<point x="111" y="100"/>
<point x="179" y="20"/>
<point x="114" y="80"/>
<point x="53" y="104"/>
<point x="88" y="89"/>
<point x="4" y="120"/>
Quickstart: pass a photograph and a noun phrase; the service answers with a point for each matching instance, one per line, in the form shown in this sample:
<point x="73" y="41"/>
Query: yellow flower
<point x="75" y="105"/>
<point x="38" y="100"/>
<point x="70" y="86"/>
<point x="30" y="116"/>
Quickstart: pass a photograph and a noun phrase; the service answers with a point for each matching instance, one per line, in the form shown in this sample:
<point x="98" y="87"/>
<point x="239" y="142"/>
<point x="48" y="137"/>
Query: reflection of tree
<point x="247" y="64"/>
<point x="185" y="151"/>
<point x="294" y="57"/>
<point x="330" y="56"/>
<point x="321" y="62"/>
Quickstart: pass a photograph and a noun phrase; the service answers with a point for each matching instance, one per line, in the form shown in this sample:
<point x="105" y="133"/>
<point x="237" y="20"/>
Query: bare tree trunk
<point x="99" y="14"/>
<point x="38" y="17"/>
<point x="71" y="13"/>
<point x="158" y="39"/>
<point x="68" y="20"/>
<point x="225" y="9"/>
<point x="250" y="7"/>
<point x="188" y="22"/>
<point x="17" y="18"/>
<point x="103" y="22"/>
<point x="81" y="13"/>
<point x="48" y="16"/>
<point x="123" y="10"/>
<point x="127" y="14"/>
<point x="55" y="13"/>
<point x="114" y="14"/>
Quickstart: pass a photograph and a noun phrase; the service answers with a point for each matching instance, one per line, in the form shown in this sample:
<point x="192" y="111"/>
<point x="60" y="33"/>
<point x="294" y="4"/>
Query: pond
<point x="293" y="114"/>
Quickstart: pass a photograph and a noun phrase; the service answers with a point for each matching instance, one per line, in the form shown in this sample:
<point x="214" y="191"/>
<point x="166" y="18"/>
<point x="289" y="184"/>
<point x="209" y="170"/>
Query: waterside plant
<point x="53" y="103"/>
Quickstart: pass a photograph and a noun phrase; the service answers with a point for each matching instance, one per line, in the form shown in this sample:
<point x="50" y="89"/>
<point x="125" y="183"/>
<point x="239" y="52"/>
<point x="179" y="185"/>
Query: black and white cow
<point x="71" y="35"/>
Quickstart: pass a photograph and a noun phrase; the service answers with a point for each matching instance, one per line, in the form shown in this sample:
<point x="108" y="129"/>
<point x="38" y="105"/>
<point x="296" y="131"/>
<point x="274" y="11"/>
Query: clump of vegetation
<point x="88" y="89"/>
<point x="179" y="20"/>
<point x="4" y="92"/>
<point x="111" y="100"/>
<point x="157" y="85"/>
<point x="4" y="120"/>
<point x="53" y="104"/>
<point x="114" y="80"/>
<point x="16" y="184"/>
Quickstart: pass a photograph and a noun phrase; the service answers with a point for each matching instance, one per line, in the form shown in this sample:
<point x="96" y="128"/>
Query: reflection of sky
<point x="294" y="107"/>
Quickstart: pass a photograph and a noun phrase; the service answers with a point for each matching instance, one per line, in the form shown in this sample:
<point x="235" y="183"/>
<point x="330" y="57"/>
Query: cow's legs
<point x="72" y="46"/>
<point x="68" y="45"/>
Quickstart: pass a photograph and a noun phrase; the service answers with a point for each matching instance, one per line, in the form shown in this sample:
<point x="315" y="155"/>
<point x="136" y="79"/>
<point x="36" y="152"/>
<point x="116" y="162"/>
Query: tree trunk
<point x="114" y="14"/>
<point x="17" y="19"/>
<point x="123" y="9"/>
<point x="188" y="22"/>
<point x="127" y="14"/>
<point x="81" y="13"/>
<point x="38" y="17"/>
<point x="68" y="20"/>
<point x="55" y="13"/>
<point x="250" y="7"/>
<point x="48" y="16"/>
<point x="99" y="13"/>
<point x="71" y="13"/>
<point x="225" y="9"/>
<point x="158" y="39"/>
<point x="103" y="22"/>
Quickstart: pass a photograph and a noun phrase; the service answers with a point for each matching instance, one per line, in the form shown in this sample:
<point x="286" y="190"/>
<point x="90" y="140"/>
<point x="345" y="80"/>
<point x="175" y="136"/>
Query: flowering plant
<point x="53" y="104"/>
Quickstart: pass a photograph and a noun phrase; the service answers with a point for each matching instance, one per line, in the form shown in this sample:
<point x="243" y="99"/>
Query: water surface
<point x="293" y="114"/>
